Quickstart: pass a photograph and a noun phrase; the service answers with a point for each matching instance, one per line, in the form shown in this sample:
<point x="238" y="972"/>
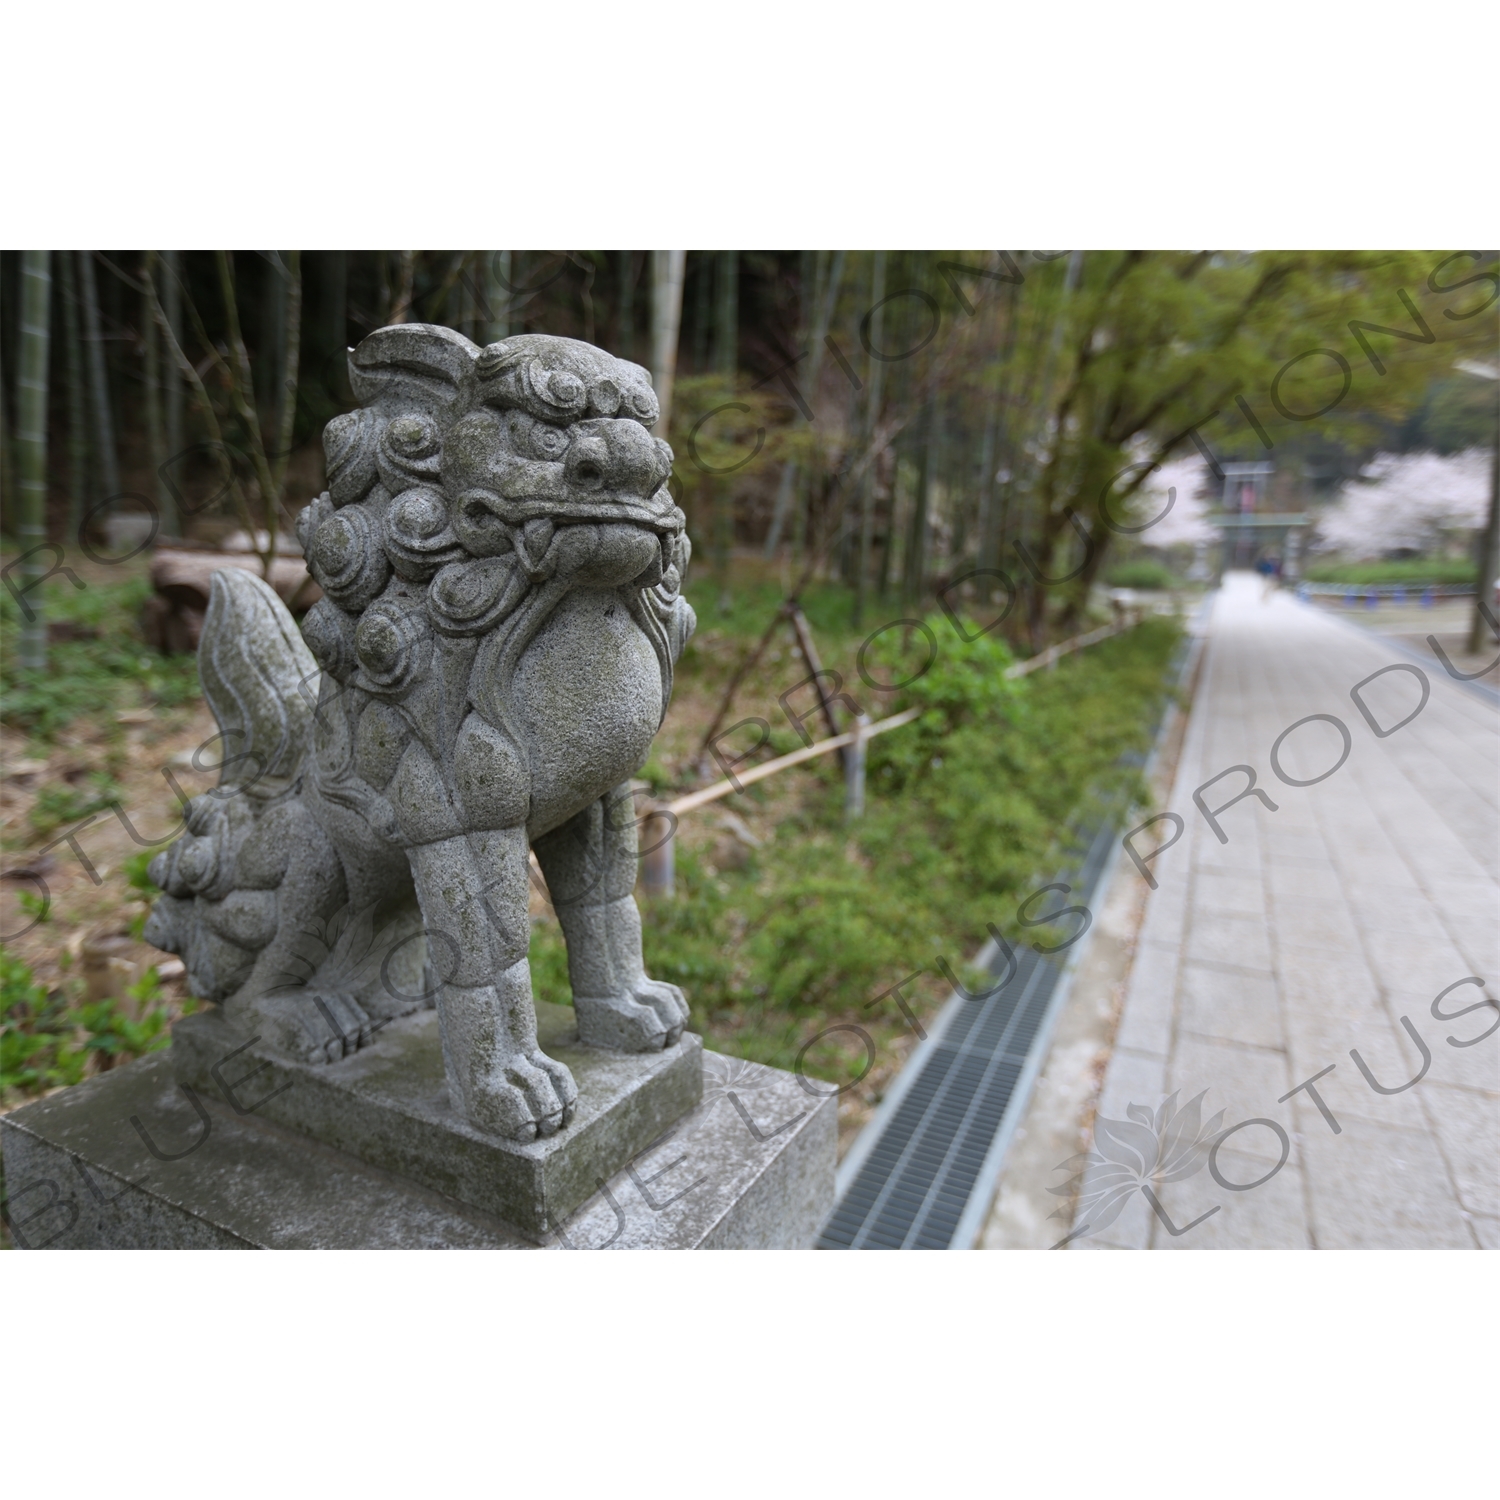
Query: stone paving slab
<point x="1323" y="929"/>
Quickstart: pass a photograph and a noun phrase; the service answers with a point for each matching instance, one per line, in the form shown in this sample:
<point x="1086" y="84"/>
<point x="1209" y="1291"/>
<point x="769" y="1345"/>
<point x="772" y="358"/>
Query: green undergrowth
<point x="1408" y="570"/>
<point x="1142" y="573"/>
<point x="60" y="803"/>
<point x="968" y="811"/>
<point x="104" y="666"/>
<point x="49" y="1037"/>
<point x="742" y="614"/>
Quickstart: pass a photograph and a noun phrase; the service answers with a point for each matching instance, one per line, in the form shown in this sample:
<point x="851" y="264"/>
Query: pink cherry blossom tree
<point x="1423" y="502"/>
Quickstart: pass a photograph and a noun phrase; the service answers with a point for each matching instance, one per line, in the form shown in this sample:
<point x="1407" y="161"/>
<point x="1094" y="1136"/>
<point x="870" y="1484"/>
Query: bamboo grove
<point x="895" y="420"/>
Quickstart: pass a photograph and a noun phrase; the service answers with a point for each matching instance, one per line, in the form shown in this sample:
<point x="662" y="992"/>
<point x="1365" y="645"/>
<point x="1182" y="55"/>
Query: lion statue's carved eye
<point x="534" y="439"/>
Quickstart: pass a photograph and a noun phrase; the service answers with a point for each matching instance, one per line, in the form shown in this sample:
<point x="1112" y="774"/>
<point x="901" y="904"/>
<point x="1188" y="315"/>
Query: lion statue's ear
<point x="415" y="367"/>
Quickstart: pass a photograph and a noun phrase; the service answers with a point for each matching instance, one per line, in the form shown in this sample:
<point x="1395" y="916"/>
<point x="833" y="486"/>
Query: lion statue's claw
<point x="533" y="1095"/>
<point x="309" y="1026"/>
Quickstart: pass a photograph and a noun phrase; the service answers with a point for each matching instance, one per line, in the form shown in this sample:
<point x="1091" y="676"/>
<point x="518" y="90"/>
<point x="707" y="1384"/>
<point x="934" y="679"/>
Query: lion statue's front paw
<point x="531" y="1095"/>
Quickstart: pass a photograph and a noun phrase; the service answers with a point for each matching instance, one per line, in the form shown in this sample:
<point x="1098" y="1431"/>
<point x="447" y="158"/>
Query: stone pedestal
<point x="388" y="1105"/>
<point x="367" y="1154"/>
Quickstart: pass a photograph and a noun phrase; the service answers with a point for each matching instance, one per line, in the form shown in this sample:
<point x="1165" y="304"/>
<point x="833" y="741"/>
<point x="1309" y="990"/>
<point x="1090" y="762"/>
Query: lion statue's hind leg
<point x="258" y="900"/>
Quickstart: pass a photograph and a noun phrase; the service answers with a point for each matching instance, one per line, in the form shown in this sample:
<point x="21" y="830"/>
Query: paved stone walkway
<point x="1327" y="926"/>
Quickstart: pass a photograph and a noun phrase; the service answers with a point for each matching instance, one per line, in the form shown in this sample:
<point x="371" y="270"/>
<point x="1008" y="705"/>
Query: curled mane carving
<point x="473" y="489"/>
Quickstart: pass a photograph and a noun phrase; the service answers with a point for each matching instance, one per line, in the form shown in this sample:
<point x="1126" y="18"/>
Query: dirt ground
<point x="85" y="908"/>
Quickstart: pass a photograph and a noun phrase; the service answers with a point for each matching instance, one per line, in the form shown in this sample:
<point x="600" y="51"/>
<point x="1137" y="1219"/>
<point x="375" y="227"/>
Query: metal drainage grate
<point x="913" y="1186"/>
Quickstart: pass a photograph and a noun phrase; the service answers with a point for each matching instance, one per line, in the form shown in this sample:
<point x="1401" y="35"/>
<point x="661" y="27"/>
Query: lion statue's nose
<point x="610" y="454"/>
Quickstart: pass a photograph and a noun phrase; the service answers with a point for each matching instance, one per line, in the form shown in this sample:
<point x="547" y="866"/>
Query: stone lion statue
<point x="501" y="565"/>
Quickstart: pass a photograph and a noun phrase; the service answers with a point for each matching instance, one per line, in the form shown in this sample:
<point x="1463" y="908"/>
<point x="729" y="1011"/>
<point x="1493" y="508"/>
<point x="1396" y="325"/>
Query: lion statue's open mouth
<point x="501" y="564"/>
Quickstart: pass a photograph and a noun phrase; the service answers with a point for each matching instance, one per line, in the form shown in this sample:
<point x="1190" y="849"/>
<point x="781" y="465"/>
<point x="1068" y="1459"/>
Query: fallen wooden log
<point x="181" y="579"/>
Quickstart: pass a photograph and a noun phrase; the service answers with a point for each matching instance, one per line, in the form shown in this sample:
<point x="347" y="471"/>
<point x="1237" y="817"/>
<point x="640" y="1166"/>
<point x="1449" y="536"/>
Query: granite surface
<point x="501" y="565"/>
<point x="389" y="1105"/>
<point x="135" y="1159"/>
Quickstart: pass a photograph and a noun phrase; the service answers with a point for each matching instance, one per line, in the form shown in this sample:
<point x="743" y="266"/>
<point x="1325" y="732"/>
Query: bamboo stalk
<point x="172" y="386"/>
<point x="31" y="443"/>
<point x="405" y="290"/>
<point x="983" y="516"/>
<point x="286" y="394"/>
<point x="497" y="284"/>
<point x="666" y="315"/>
<point x="916" y="541"/>
<point x="727" y="315"/>
<point x="104" y="428"/>
<point x="873" y="379"/>
<point x="625" y="304"/>
<point x="155" y="432"/>
<point x="78" y="405"/>
<point x="784" y="492"/>
<point x="703" y="278"/>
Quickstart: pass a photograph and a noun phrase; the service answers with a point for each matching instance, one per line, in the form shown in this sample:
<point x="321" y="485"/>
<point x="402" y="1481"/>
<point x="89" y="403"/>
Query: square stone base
<point x="388" y="1105"/>
<point x="133" y="1159"/>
